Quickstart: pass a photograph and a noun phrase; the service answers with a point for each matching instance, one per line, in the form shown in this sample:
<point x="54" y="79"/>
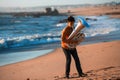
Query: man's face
<point x="71" y="23"/>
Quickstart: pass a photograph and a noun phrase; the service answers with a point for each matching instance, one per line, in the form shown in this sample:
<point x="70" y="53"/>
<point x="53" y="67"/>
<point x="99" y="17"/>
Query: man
<point x="70" y="51"/>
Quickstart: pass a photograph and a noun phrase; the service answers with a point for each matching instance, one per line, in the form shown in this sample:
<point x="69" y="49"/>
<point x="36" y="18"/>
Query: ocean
<point x="43" y="33"/>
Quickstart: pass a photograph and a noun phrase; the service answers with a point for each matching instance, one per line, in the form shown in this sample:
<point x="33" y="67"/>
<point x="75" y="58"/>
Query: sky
<point x="33" y="3"/>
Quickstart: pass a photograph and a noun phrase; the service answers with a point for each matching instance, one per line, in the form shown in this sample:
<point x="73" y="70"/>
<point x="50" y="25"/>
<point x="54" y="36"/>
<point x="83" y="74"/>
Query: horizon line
<point x="60" y="5"/>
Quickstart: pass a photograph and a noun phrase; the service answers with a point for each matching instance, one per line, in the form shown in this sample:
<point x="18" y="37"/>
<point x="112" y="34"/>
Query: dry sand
<point x="101" y="61"/>
<point x="113" y="11"/>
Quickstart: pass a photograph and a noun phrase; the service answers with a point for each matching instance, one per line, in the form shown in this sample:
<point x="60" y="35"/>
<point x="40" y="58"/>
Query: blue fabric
<point x="84" y="22"/>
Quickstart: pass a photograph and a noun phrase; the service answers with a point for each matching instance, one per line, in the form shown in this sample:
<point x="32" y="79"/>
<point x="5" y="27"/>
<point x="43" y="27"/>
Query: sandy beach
<point x="113" y="11"/>
<point x="100" y="61"/>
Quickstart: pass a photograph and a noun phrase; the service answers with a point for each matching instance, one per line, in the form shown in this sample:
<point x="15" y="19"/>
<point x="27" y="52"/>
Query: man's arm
<point x="65" y="36"/>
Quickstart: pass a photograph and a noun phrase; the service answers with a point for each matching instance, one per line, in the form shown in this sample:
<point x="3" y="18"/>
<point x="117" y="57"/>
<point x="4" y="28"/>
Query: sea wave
<point x="28" y="40"/>
<point x="102" y="30"/>
<point x="21" y="32"/>
<point x="37" y="39"/>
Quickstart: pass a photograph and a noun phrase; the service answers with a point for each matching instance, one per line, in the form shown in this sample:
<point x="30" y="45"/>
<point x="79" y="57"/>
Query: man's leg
<point x="68" y="61"/>
<point x="77" y="61"/>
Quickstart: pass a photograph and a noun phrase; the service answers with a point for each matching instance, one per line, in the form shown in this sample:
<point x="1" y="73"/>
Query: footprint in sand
<point x="108" y="73"/>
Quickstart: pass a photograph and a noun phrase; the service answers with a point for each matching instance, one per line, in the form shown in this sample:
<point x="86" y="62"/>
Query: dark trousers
<point x="68" y="53"/>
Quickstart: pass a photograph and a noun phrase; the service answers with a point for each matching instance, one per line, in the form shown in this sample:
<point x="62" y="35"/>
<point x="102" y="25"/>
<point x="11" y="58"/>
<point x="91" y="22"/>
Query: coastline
<point x="13" y="56"/>
<point x="52" y="65"/>
<point x="113" y="11"/>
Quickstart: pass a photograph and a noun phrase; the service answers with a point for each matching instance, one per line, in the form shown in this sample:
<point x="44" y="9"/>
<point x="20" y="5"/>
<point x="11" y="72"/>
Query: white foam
<point x="29" y="40"/>
<point x="60" y="24"/>
<point x="2" y="41"/>
<point x="3" y="44"/>
<point x="93" y="31"/>
<point x="17" y="21"/>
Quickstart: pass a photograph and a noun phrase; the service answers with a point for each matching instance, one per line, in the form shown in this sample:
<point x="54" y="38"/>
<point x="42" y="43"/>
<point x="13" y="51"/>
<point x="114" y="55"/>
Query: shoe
<point x="82" y="75"/>
<point x="67" y="77"/>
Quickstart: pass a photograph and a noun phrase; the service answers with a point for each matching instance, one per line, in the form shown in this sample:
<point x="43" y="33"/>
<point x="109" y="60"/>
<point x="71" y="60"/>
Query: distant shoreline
<point x="113" y="11"/>
<point x="104" y="9"/>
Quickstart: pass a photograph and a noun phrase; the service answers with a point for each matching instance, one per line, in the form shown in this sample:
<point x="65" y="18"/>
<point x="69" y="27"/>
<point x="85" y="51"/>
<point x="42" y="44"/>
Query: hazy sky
<point x="30" y="3"/>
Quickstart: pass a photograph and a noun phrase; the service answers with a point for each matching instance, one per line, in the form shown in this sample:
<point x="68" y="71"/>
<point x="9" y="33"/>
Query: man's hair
<point x="71" y="19"/>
